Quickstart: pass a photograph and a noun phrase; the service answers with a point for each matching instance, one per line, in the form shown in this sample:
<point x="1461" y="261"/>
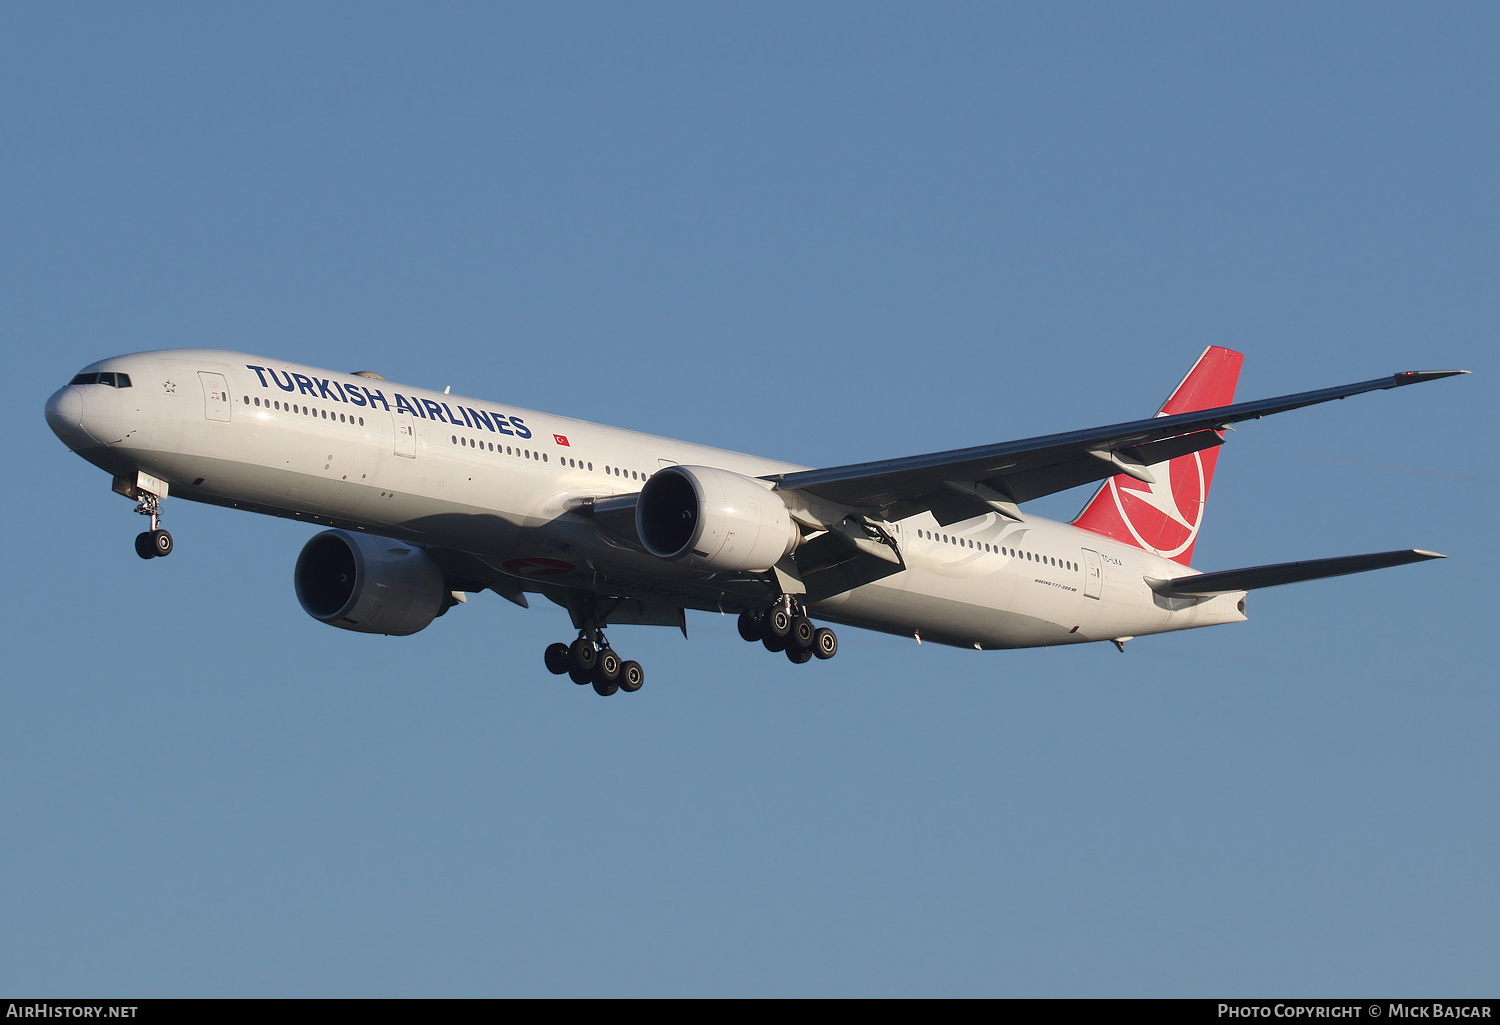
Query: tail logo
<point x="1163" y="517"/>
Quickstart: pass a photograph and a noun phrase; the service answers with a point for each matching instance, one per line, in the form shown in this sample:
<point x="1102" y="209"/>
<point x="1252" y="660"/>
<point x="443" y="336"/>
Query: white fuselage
<point x="502" y="484"/>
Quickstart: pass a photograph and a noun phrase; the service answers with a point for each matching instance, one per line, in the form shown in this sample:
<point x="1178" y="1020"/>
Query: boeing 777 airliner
<point x="429" y="496"/>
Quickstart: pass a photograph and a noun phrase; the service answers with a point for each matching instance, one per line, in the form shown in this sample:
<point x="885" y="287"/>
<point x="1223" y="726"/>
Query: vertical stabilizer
<point x="1164" y="517"/>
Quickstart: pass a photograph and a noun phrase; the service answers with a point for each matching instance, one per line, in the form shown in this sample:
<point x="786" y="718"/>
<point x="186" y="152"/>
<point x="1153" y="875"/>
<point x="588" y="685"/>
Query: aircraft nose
<point x="65" y="415"/>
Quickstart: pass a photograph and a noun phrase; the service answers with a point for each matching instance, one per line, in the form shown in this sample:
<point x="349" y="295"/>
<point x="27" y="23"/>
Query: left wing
<point x="962" y="483"/>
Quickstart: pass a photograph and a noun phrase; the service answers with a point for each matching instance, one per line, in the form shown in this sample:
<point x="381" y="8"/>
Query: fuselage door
<point x="215" y="397"/>
<point x="406" y="435"/>
<point x="1093" y="574"/>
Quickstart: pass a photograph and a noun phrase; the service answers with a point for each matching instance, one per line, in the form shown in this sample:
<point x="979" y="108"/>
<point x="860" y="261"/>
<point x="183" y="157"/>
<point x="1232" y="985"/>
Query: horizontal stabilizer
<point x="1231" y="580"/>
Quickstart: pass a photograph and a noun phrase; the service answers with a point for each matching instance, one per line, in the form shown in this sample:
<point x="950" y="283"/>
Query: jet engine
<point x="369" y="584"/>
<point x="712" y="519"/>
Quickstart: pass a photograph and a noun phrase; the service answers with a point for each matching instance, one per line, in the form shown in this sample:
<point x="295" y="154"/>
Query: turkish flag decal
<point x="561" y="440"/>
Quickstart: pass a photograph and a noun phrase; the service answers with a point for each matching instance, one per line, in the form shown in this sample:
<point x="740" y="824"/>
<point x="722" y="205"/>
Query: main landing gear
<point x="590" y="659"/>
<point x="155" y="542"/>
<point x="785" y="627"/>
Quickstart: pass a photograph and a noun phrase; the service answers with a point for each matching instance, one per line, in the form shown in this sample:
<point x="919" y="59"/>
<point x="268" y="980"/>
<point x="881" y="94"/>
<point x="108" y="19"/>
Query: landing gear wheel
<point x="776" y="623"/>
<point x="557" y="658"/>
<point x="607" y="671"/>
<point x="582" y="657"/>
<point x="825" y="642"/>
<point x="631" y="677"/>
<point x="582" y="654"/>
<point x="161" y="543"/>
<point x="797" y="656"/>
<point x="145" y="545"/>
<point x="801" y="635"/>
<point x="750" y="628"/>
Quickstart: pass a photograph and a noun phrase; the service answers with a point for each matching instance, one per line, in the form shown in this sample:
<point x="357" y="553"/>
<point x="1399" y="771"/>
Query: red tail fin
<point x="1164" y="517"/>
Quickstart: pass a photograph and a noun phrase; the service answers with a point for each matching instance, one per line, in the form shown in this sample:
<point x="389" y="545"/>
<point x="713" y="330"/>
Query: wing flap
<point x="828" y="565"/>
<point x="1026" y="485"/>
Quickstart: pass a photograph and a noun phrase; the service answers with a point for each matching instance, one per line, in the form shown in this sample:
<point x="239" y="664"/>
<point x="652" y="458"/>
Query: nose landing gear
<point x="153" y="543"/>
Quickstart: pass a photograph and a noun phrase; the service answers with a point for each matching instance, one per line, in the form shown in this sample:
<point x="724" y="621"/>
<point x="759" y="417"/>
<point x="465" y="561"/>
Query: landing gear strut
<point x="785" y="627"/>
<point x="149" y="544"/>
<point x="590" y="659"/>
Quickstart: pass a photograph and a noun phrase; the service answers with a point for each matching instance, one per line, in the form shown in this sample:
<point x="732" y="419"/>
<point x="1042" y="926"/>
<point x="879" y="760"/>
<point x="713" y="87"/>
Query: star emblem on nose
<point x="169" y="387"/>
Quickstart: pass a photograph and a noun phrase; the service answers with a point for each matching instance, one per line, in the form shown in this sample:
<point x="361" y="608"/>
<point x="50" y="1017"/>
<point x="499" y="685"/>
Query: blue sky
<point x="825" y="234"/>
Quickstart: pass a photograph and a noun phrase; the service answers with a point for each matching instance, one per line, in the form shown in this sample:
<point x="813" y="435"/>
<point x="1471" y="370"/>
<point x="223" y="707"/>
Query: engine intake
<point x="713" y="519"/>
<point x="369" y="584"/>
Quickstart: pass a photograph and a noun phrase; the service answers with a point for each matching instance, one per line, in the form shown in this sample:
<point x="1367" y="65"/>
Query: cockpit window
<point x="114" y="380"/>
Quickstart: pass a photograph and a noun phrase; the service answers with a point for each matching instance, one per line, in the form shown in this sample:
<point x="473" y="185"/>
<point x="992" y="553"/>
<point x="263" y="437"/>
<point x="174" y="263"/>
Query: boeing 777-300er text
<point x="429" y="496"/>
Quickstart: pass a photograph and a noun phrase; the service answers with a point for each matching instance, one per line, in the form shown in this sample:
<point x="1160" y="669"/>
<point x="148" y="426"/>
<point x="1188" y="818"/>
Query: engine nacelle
<point x="713" y="519"/>
<point x="369" y="584"/>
